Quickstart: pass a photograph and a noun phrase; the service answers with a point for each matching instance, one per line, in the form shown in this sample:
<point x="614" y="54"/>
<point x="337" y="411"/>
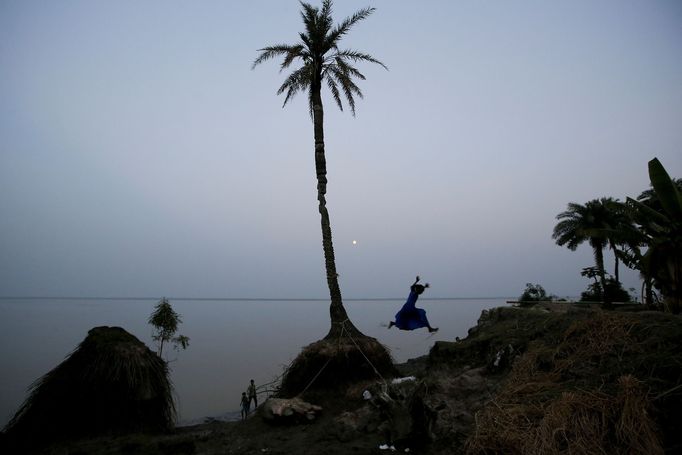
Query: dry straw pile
<point x="559" y="400"/>
<point x="112" y="383"/>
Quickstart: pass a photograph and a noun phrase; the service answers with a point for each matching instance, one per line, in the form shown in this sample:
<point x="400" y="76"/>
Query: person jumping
<point x="410" y="317"/>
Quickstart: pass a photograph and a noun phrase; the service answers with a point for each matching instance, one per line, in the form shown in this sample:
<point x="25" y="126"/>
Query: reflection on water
<point x="231" y="341"/>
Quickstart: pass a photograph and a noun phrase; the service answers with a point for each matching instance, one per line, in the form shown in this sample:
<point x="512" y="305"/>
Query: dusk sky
<point x="140" y="155"/>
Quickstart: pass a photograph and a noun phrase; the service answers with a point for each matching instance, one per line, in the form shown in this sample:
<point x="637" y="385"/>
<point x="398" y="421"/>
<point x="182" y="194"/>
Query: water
<point x="231" y="341"/>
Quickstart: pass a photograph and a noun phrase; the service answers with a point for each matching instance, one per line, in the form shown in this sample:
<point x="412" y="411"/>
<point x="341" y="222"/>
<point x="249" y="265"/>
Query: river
<point x="231" y="341"/>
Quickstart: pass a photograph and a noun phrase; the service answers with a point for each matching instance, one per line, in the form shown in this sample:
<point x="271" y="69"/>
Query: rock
<point x="503" y="358"/>
<point x="288" y="410"/>
<point x="453" y="399"/>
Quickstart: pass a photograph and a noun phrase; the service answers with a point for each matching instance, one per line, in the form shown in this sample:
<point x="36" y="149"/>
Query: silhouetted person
<point x="252" y="394"/>
<point x="245" y="406"/>
<point x="410" y="317"/>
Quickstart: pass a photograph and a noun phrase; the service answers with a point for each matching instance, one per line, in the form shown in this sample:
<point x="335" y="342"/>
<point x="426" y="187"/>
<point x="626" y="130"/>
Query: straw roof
<point x="110" y="384"/>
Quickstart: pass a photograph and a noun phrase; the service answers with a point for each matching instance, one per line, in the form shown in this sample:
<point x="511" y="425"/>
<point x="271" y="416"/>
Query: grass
<point x="584" y="384"/>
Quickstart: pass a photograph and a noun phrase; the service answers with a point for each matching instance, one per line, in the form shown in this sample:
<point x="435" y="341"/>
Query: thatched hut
<point x="111" y="384"/>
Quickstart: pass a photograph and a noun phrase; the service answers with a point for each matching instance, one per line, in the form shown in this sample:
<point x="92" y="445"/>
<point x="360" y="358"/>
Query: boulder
<point x="288" y="410"/>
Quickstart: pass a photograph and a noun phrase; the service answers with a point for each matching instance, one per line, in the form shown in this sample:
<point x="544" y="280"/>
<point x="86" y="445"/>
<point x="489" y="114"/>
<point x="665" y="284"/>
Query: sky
<point x="140" y="155"/>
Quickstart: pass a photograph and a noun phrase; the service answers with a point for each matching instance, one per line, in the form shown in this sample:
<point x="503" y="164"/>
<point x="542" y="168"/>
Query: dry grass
<point x="556" y="402"/>
<point x="590" y="342"/>
<point x="635" y="426"/>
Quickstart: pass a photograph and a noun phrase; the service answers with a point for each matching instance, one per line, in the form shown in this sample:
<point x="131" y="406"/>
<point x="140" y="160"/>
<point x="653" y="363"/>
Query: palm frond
<point x="306" y="41"/>
<point x="349" y="88"/>
<point x="345" y="26"/>
<point x="359" y="57"/>
<point x="309" y="17"/>
<point x="297" y="81"/>
<point x="295" y="51"/>
<point x="331" y="83"/>
<point x="348" y="69"/>
<point x="569" y="233"/>
<point x="273" y="51"/>
<point x="326" y="9"/>
<point x="325" y="17"/>
<point x="314" y="25"/>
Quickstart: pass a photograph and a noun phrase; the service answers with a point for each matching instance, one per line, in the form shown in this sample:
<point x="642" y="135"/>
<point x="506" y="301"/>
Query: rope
<point x="315" y="377"/>
<point x="363" y="354"/>
<point x="326" y="363"/>
<point x="338" y="347"/>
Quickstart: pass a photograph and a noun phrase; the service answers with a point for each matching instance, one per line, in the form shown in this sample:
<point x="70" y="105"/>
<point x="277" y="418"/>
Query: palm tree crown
<point x="593" y="222"/>
<point x="321" y="58"/>
<point x="580" y="223"/>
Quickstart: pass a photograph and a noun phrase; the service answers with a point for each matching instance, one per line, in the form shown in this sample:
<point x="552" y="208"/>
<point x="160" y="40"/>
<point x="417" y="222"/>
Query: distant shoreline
<point x="247" y="299"/>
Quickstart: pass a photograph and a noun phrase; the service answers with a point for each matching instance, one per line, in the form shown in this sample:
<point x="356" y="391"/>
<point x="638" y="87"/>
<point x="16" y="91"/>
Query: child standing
<point x="245" y="406"/>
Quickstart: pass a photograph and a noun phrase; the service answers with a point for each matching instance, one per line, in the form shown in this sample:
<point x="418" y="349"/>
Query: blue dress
<point x="410" y="317"/>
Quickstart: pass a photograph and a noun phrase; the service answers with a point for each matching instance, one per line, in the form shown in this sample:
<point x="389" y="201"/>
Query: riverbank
<point x="231" y="341"/>
<point x="550" y="378"/>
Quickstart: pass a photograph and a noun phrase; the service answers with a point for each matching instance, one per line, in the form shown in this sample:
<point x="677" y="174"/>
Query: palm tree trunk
<point x="337" y="312"/>
<point x="614" y="248"/>
<point x="599" y="259"/>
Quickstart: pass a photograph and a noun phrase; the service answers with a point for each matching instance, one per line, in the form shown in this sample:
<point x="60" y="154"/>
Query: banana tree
<point x="662" y="235"/>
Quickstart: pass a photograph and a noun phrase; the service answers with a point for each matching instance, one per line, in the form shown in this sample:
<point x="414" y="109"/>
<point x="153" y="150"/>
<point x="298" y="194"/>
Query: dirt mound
<point x="337" y="363"/>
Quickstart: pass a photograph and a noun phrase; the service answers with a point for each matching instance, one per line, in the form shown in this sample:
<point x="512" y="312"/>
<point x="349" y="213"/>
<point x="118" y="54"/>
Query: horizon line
<point x="233" y="299"/>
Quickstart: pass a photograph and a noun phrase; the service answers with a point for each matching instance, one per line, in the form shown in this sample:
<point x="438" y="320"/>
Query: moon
<point x="355" y="242"/>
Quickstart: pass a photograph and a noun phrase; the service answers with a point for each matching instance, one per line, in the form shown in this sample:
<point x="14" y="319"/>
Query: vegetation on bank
<point x="165" y="322"/>
<point x="644" y="233"/>
<point x="572" y="379"/>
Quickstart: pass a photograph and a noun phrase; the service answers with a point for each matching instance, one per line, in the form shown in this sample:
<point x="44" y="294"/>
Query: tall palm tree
<point x="586" y="223"/>
<point x="323" y="62"/>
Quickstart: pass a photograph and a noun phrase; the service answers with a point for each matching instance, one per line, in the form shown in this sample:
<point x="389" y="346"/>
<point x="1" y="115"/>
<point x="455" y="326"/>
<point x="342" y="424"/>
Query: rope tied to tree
<point x="345" y="332"/>
<point x="363" y="354"/>
<point x="338" y="347"/>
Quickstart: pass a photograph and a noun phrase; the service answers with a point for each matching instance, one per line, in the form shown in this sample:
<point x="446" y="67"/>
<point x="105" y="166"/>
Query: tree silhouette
<point x="322" y="62"/>
<point x="659" y="219"/>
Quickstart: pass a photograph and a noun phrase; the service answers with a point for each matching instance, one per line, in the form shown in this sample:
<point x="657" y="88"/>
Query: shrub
<point x="614" y="292"/>
<point x="533" y="293"/>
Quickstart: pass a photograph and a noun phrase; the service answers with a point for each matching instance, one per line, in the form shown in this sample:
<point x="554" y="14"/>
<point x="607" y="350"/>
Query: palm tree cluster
<point x="644" y="233"/>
